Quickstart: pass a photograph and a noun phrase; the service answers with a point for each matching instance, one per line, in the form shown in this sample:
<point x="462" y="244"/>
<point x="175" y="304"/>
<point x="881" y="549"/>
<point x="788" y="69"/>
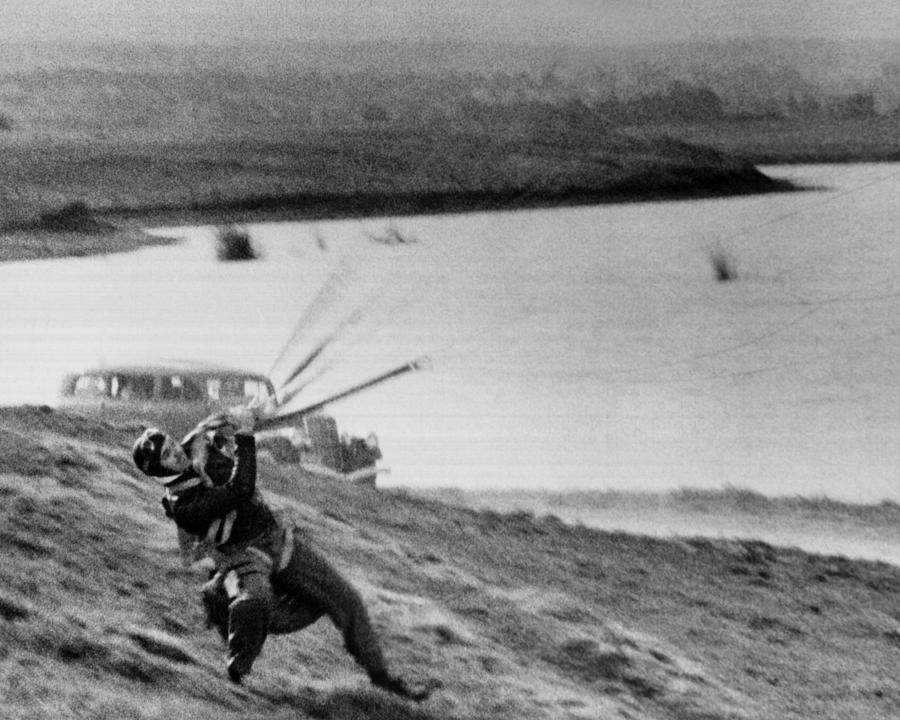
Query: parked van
<point x="174" y="396"/>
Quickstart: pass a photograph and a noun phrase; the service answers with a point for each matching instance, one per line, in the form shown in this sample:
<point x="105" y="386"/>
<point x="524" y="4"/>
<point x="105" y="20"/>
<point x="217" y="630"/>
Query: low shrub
<point x="234" y="243"/>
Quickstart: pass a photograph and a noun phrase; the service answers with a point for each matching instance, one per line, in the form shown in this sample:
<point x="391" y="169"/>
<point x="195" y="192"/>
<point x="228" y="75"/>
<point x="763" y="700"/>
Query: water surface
<point x="577" y="347"/>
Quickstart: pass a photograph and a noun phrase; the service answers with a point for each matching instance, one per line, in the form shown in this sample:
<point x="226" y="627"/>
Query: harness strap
<point x="173" y="489"/>
<point x="220" y="529"/>
<point x="261" y="555"/>
<point x="287" y="548"/>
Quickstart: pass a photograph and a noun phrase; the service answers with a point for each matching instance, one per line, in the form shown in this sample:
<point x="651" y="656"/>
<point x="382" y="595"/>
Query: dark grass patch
<point x="766" y="623"/>
<point x="157" y="644"/>
<point x="72" y="217"/>
<point x="490" y="664"/>
<point x="12" y="611"/>
<point x="591" y="663"/>
<point x="68" y="456"/>
<point x="72" y="468"/>
<point x="21" y="455"/>
<point x="366" y="705"/>
<point x="571" y="614"/>
<point x="757" y="552"/>
<point x="840" y="567"/>
<point x="448" y="636"/>
<point x="586" y="660"/>
<point x="335" y="514"/>
<point x="83" y="650"/>
<point x="28" y="546"/>
<point x="76" y="646"/>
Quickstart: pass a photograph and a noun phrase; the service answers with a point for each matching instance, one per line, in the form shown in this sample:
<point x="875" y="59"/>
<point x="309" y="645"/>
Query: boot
<point x="236" y="677"/>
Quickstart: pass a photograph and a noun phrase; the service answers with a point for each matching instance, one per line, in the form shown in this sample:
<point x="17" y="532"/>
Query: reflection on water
<point x="587" y="347"/>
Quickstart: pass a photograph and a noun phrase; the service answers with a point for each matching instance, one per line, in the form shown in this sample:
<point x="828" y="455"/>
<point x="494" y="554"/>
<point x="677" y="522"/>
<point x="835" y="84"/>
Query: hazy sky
<point x="579" y="21"/>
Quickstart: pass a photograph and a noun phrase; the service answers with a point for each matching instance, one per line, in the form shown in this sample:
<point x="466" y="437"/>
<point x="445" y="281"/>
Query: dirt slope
<point x="517" y="616"/>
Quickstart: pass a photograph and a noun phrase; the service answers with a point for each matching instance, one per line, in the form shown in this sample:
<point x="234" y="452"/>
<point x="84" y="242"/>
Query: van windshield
<point x="236" y="389"/>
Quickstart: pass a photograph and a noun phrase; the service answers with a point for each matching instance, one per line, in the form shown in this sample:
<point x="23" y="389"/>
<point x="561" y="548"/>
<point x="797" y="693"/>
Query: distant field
<point x="252" y="175"/>
<point x="130" y="136"/>
<point x="353" y="172"/>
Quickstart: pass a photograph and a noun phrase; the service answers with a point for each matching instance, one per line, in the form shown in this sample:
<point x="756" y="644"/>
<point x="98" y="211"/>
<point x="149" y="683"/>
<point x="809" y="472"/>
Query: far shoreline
<point x="334" y="206"/>
<point x="80" y="231"/>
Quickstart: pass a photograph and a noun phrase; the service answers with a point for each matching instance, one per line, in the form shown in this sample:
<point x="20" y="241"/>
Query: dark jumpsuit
<point x="232" y="517"/>
<point x="254" y="559"/>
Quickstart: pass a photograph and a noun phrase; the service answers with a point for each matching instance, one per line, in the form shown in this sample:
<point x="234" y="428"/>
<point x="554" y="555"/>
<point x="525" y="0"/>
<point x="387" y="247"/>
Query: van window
<point x="91" y="386"/>
<point x="132" y="386"/>
<point x="239" y="389"/>
<point x="255" y="389"/>
<point x="214" y="388"/>
<point x="179" y="387"/>
<point x="233" y="389"/>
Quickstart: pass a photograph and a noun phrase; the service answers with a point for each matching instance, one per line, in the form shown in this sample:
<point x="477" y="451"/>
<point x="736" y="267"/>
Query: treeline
<point x="103" y="104"/>
<point x="99" y="93"/>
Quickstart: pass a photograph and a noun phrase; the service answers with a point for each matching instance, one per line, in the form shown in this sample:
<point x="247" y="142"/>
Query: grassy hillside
<point x="518" y="616"/>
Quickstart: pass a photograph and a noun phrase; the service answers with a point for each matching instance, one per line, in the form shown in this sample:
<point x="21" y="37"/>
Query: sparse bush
<point x="6" y="123"/>
<point x="392" y="236"/>
<point x="586" y="659"/>
<point x="234" y="243"/>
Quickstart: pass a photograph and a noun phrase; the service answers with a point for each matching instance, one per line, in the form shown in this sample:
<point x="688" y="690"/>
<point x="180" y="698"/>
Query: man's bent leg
<point x="288" y="613"/>
<point x="313" y="581"/>
<point x="249" y="613"/>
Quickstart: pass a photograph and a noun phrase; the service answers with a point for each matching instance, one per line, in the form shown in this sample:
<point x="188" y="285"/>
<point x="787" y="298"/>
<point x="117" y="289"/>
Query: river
<point x="586" y="347"/>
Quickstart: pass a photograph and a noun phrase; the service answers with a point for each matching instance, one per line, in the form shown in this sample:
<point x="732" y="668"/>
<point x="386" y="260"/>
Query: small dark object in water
<point x="722" y="266"/>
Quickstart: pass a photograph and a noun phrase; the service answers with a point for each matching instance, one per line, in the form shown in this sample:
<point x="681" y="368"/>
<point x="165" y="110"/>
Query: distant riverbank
<point x="685" y="185"/>
<point x="77" y="229"/>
